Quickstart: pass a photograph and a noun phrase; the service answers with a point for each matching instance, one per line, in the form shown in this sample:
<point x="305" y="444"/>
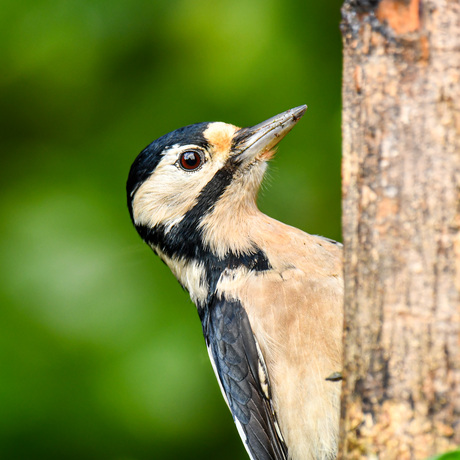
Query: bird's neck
<point x="223" y="243"/>
<point x="225" y="232"/>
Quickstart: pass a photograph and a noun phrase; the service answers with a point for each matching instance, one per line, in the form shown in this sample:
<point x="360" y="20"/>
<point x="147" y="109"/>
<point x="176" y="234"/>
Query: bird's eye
<point x="190" y="160"/>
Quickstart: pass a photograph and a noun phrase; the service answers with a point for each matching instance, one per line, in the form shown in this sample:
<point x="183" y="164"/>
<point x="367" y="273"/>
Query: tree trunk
<point x="401" y="226"/>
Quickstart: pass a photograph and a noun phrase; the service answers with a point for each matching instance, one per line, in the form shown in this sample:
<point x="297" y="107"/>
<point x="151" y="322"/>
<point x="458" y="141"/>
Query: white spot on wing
<point x="278" y="430"/>
<point x="265" y="383"/>
<point x="263" y="373"/>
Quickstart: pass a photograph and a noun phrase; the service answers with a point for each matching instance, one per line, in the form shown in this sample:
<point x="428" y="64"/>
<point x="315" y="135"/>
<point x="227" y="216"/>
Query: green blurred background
<point x="101" y="352"/>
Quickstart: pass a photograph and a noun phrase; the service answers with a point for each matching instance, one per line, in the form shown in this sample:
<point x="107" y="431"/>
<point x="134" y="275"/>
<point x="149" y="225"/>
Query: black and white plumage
<point x="268" y="295"/>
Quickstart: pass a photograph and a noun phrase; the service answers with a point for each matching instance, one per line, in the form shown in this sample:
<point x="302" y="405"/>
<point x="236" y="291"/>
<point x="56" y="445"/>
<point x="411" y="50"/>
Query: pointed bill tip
<point x="298" y="112"/>
<point x="263" y="137"/>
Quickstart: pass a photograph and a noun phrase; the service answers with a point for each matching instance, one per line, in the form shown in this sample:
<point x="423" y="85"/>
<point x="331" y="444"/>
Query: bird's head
<point x="199" y="177"/>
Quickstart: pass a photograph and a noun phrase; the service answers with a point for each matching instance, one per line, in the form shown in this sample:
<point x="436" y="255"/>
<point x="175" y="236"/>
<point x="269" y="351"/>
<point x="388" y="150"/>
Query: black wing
<point x="239" y="366"/>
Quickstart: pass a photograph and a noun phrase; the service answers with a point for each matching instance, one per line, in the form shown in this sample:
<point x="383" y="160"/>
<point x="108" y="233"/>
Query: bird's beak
<point x="259" y="141"/>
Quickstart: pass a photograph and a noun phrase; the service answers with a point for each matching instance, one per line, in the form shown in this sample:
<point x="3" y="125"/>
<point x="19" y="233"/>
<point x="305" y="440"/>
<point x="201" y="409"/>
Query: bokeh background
<point x="101" y="352"/>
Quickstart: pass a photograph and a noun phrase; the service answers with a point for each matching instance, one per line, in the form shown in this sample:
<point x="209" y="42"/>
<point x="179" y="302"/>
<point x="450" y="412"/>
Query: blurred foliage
<point x="101" y="352"/>
<point x="453" y="455"/>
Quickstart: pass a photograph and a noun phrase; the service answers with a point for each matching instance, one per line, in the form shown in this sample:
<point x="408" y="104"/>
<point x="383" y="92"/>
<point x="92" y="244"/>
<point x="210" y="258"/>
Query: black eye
<point x="190" y="160"/>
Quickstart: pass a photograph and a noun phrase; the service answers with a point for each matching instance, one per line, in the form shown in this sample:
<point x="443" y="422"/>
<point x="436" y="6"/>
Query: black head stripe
<point x="189" y="246"/>
<point x="185" y="239"/>
<point x="148" y="159"/>
<point x="207" y="198"/>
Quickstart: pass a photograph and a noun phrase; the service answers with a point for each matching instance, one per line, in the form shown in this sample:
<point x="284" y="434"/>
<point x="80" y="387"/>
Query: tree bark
<point x="401" y="226"/>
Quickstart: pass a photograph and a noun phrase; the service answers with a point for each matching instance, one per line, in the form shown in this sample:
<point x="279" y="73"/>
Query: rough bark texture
<point x="401" y="225"/>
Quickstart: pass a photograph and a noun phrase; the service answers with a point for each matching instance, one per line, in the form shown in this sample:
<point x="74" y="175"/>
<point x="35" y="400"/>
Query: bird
<point x="269" y="296"/>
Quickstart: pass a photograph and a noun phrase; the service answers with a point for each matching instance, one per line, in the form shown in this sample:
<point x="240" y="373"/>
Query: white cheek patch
<point x="167" y="195"/>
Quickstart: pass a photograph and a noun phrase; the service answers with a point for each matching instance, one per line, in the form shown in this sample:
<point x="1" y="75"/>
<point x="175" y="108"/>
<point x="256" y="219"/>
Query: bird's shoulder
<point x="288" y="247"/>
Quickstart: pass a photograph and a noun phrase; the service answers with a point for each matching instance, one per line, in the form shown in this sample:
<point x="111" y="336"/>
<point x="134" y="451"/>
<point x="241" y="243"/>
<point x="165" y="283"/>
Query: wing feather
<point x="238" y="363"/>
